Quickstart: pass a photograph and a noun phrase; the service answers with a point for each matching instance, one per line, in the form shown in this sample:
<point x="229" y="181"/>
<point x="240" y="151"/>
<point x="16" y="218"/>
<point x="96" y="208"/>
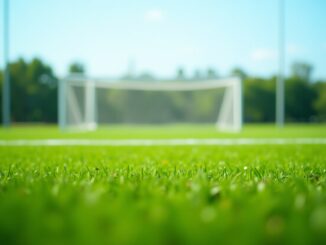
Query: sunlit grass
<point x="163" y="195"/>
<point x="165" y="132"/>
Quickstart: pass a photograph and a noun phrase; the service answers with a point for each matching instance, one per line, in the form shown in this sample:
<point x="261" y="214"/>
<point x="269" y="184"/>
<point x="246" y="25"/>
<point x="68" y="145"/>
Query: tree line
<point x="34" y="88"/>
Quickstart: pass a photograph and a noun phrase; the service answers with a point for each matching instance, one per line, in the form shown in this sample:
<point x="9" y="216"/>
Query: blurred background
<point x="151" y="40"/>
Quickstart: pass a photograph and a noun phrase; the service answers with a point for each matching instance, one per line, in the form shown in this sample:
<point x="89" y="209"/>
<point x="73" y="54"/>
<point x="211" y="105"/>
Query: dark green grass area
<point x="173" y="131"/>
<point x="163" y="195"/>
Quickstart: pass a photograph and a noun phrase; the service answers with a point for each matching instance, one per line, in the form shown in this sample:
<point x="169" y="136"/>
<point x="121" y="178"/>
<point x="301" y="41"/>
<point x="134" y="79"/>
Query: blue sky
<point x="159" y="36"/>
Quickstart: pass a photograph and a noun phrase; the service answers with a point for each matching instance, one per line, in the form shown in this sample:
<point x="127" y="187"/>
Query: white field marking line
<point x="162" y="142"/>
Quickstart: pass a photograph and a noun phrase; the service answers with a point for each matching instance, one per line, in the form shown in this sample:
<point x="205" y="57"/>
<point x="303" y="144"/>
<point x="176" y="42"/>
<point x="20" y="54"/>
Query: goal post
<point x="78" y="98"/>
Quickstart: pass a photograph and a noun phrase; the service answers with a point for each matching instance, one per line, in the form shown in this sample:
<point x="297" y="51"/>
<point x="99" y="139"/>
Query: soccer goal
<point x="85" y="103"/>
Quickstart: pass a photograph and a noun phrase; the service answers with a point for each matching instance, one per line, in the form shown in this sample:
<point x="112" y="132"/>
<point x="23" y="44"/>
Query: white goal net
<point x="85" y="103"/>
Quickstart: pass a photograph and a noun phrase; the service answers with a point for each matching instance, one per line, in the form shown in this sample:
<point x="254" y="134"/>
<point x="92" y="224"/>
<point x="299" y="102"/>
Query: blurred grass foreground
<point x="257" y="194"/>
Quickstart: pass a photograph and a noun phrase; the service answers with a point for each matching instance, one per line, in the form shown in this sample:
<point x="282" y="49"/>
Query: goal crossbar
<point x="166" y="85"/>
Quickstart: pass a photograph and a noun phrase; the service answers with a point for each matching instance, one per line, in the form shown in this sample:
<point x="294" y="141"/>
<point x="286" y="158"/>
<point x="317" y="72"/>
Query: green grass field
<point x="165" y="132"/>
<point x="251" y="194"/>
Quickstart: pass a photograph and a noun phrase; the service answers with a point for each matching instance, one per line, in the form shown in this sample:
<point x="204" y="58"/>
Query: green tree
<point x="197" y="74"/>
<point x="259" y="100"/>
<point x="211" y="73"/>
<point x="299" y="97"/>
<point x="320" y="102"/>
<point x="77" y="67"/>
<point x="146" y="76"/>
<point x="34" y="92"/>
<point x="238" y="72"/>
<point x="302" y="71"/>
<point x="180" y="74"/>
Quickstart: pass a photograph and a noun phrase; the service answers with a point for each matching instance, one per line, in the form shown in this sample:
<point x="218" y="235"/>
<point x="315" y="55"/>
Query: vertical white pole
<point x="280" y="79"/>
<point x="62" y="104"/>
<point x="237" y="104"/>
<point x="225" y="119"/>
<point x="239" y="101"/>
<point x="234" y="106"/>
<point x="90" y="104"/>
<point x="93" y="105"/>
<point x="6" y="74"/>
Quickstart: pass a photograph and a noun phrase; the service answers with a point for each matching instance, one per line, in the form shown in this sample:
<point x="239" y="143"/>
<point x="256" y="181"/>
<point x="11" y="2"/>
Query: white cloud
<point x="154" y="15"/>
<point x="263" y="54"/>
